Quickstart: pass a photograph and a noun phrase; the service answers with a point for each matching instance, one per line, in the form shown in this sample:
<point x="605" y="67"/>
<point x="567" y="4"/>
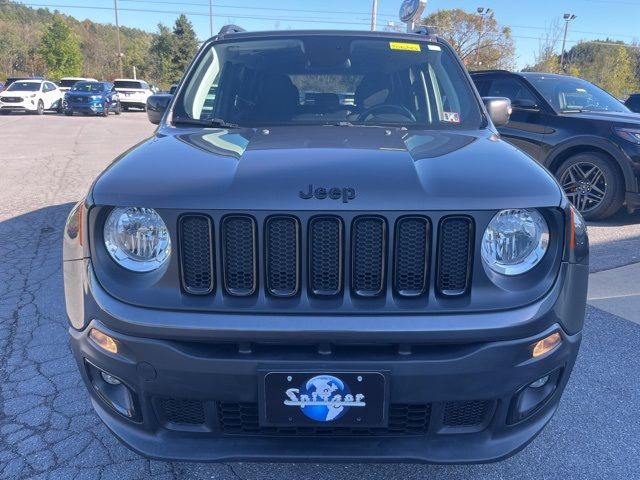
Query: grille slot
<point x="411" y="256"/>
<point x="196" y="234"/>
<point x="466" y="414"/>
<point x="454" y="255"/>
<point x="368" y="255"/>
<point x="325" y="257"/>
<point x="239" y="252"/>
<point x="242" y="419"/>
<point x="282" y="256"/>
<point x="182" y="411"/>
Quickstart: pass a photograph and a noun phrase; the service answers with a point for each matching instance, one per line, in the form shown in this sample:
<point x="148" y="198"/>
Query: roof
<point x="129" y="80"/>
<point x="353" y="33"/>
<point x="29" y="80"/>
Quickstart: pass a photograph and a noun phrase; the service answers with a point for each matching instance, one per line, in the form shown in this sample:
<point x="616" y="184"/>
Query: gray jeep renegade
<point x="325" y="253"/>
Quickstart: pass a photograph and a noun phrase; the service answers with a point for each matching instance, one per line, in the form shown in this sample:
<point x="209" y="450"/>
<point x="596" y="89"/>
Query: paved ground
<point x="47" y="427"/>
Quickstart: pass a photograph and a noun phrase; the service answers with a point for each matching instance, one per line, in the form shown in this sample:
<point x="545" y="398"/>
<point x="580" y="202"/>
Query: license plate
<point x="324" y="399"/>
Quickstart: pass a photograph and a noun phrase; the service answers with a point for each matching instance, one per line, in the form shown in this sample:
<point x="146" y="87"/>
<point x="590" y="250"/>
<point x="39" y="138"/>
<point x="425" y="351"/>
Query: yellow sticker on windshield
<point x="409" y="47"/>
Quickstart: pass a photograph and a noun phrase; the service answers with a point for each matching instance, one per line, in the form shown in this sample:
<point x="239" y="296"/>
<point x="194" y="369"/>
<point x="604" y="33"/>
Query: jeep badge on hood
<point x="334" y="193"/>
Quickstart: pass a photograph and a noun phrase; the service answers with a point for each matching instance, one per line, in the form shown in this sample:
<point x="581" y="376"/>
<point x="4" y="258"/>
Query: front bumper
<point x="26" y="104"/>
<point x="84" y="107"/>
<point x="197" y="395"/>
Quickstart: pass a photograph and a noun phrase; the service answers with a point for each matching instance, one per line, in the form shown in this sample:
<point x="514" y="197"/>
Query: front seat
<point x="374" y="89"/>
<point x="279" y="98"/>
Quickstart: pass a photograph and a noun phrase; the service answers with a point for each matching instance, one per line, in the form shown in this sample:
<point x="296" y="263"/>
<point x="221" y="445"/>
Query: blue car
<point x="92" y="97"/>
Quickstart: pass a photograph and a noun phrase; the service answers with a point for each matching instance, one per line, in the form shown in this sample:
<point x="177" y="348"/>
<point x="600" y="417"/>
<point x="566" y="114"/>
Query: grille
<point x="78" y="99"/>
<point x="312" y="255"/>
<point x="282" y="251"/>
<point x="182" y="411"/>
<point x="239" y="239"/>
<point x="411" y="256"/>
<point x="466" y="414"/>
<point x="454" y="255"/>
<point x="197" y="254"/>
<point x="11" y="99"/>
<point x="242" y="419"/>
<point x="369" y="245"/>
<point x="325" y="246"/>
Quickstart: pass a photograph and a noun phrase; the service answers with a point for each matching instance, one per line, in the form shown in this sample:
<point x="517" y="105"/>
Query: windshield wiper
<point x="205" y="122"/>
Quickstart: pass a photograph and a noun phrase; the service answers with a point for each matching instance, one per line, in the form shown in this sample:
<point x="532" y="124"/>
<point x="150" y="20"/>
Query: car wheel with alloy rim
<point x="592" y="184"/>
<point x="40" y="108"/>
<point x="118" y="109"/>
<point x="105" y="109"/>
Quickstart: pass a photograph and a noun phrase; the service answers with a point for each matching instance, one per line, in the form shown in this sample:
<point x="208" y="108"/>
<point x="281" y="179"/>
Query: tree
<point x="465" y="31"/>
<point x="161" y="53"/>
<point x="185" y="44"/>
<point x="547" y="60"/>
<point x="60" y="50"/>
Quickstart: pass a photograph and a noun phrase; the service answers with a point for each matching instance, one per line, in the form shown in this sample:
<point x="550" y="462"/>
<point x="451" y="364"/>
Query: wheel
<point x="118" y="109"/>
<point x="593" y="184"/>
<point x="40" y="108"/>
<point x="61" y="106"/>
<point x="105" y="110"/>
<point x="68" y="113"/>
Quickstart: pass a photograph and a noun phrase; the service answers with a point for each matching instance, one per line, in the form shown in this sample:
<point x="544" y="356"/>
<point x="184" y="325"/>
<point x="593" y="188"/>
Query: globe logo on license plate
<point x="324" y="398"/>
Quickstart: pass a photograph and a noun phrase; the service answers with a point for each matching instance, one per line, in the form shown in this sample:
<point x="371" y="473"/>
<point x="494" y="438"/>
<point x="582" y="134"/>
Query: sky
<point x="528" y="19"/>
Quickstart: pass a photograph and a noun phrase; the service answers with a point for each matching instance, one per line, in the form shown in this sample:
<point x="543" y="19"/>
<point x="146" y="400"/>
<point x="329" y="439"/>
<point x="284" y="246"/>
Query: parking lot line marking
<point x="617" y="291"/>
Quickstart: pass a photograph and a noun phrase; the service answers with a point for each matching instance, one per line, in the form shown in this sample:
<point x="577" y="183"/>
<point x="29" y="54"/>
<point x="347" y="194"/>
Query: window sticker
<point x="451" y="117"/>
<point x="435" y="48"/>
<point x="407" y="47"/>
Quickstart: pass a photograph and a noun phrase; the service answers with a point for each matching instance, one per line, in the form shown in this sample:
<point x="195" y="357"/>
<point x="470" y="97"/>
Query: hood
<point x="85" y="94"/>
<point x="629" y="118"/>
<point x="17" y="93"/>
<point x="325" y="168"/>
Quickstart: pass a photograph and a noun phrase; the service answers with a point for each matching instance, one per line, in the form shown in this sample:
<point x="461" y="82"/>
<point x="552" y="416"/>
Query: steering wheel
<point x="386" y="108"/>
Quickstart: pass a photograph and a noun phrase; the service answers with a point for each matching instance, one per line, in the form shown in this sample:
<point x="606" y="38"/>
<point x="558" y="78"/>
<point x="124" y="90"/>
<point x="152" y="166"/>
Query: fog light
<point x="546" y="345"/>
<point x="103" y="340"/>
<point x="110" y="379"/>
<point x="541" y="382"/>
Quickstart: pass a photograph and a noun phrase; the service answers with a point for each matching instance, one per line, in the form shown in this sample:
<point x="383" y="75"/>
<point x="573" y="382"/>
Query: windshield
<point x="67" y="82"/>
<point x="571" y="94"/>
<point x="326" y="79"/>
<point x="24" y="86"/>
<point x="92" y="87"/>
<point x="128" y="84"/>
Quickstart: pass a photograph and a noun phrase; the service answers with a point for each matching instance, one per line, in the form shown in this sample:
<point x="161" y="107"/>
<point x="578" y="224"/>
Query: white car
<point x="34" y="96"/>
<point x="66" y="83"/>
<point x="133" y="93"/>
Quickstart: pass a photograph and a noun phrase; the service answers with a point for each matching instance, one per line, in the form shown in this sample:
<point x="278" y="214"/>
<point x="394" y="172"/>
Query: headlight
<point x="96" y="97"/>
<point x="515" y="241"/>
<point x="629" y="134"/>
<point x="137" y="238"/>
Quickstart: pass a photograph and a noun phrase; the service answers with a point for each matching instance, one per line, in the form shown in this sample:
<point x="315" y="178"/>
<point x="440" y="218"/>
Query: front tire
<point x="592" y="184"/>
<point x="40" y="108"/>
<point x="118" y="109"/>
<point x="105" y="110"/>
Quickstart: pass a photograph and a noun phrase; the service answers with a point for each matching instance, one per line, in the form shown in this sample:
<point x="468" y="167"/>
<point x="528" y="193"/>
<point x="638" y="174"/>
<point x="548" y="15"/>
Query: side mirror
<point x="524" y="104"/>
<point x="499" y="110"/>
<point x="156" y="105"/>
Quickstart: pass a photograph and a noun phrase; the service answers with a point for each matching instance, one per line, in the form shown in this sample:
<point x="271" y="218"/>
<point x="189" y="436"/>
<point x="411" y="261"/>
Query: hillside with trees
<point x="42" y="42"/>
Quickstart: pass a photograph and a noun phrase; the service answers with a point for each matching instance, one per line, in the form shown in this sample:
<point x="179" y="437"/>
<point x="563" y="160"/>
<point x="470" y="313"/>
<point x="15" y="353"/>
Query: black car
<point x="633" y="102"/>
<point x="270" y="280"/>
<point x="588" y="139"/>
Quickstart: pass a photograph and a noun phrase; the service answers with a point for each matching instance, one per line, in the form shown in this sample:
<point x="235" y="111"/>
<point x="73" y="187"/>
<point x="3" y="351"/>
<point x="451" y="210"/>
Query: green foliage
<point x="465" y="31"/>
<point x="22" y="31"/>
<point x="60" y="51"/>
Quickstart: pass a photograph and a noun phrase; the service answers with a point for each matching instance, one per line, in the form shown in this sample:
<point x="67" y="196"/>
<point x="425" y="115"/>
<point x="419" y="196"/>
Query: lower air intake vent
<point x="325" y="247"/>
<point x="242" y="419"/>
<point x="454" y="255"/>
<point x="182" y="411"/>
<point x="466" y="414"/>
<point x="282" y="251"/>
<point x="239" y="255"/>
<point x="197" y="254"/>
<point x="369" y="246"/>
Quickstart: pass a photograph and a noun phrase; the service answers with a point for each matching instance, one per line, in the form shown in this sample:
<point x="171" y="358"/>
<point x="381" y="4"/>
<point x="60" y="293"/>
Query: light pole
<point x="115" y="6"/>
<point x="567" y="18"/>
<point x="374" y="15"/>
<point x="483" y="12"/>
<point x="211" y="17"/>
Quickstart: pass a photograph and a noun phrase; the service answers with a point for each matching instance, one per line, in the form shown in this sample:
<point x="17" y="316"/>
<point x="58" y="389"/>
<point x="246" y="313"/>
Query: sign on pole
<point x="410" y="11"/>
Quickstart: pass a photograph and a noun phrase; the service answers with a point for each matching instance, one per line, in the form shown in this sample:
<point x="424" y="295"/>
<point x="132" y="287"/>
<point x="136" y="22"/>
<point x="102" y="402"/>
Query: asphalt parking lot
<point x="47" y="426"/>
